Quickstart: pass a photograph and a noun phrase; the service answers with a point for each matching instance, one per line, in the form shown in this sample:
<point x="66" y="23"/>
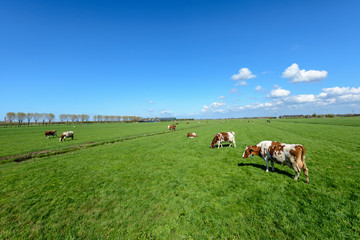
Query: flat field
<point x="141" y="181"/>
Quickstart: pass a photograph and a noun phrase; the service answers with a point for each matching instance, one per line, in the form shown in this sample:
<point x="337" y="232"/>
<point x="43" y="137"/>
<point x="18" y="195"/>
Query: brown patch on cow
<point x="225" y="136"/>
<point x="276" y="147"/>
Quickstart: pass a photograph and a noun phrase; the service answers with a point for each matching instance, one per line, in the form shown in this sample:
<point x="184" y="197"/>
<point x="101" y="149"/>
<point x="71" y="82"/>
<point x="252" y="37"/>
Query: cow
<point x="172" y="127"/>
<point x="50" y="133"/>
<point x="67" y="135"/>
<point x="192" y="135"/>
<point x="292" y="155"/>
<point x="223" y="137"/>
<point x="268" y="121"/>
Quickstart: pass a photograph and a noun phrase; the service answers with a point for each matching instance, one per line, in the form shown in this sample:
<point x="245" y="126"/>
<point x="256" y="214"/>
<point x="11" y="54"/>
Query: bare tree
<point x="95" y="118"/>
<point x="49" y="117"/>
<point x="118" y="118"/>
<point x="20" y="117"/>
<point x="74" y="117"/>
<point x="62" y="117"/>
<point x="29" y="116"/>
<point x="11" y="116"/>
<point x="43" y="117"/>
<point x="84" y="117"/>
<point x="100" y="118"/>
<point x="36" y="117"/>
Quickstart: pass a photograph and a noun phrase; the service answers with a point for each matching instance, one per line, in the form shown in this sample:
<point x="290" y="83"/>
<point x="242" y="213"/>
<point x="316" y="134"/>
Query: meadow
<point x="141" y="181"/>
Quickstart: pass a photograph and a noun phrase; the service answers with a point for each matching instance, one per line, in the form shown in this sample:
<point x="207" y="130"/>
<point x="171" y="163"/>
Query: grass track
<point x="170" y="187"/>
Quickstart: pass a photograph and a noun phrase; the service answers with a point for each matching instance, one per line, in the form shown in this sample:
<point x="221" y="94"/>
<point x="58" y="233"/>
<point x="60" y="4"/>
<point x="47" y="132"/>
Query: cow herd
<point x="292" y="155"/>
<point x="64" y="135"/>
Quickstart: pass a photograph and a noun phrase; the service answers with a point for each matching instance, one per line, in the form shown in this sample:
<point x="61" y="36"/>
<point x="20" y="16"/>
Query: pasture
<point x="142" y="181"/>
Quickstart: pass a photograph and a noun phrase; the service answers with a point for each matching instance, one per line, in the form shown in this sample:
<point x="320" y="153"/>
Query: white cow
<point x="66" y="135"/>
<point x="292" y="155"/>
<point x="223" y="137"/>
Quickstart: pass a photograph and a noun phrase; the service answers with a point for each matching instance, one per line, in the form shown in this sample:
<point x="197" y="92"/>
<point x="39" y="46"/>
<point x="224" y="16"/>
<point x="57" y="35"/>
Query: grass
<point x="170" y="187"/>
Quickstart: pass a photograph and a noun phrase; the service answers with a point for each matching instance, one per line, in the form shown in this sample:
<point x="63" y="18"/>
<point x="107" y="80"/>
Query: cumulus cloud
<point x="281" y="99"/>
<point x="304" y="98"/>
<point x="279" y="92"/>
<point x="212" y="107"/>
<point x="295" y="75"/>
<point x="244" y="74"/>
<point x="335" y="91"/>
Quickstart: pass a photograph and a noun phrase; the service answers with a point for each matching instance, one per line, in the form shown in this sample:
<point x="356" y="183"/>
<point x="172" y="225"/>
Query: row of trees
<point x="107" y="118"/>
<point x="20" y="117"/>
<point x="36" y="117"/>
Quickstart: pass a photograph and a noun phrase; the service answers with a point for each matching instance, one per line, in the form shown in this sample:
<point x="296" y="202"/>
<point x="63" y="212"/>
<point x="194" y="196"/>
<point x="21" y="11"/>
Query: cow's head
<point x="214" y="141"/>
<point x="249" y="151"/>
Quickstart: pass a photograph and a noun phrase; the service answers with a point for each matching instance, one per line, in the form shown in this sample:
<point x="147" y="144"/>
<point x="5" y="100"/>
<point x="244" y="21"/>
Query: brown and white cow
<point x="223" y="137"/>
<point x="192" y="135"/>
<point x="67" y="135"/>
<point x="172" y="127"/>
<point x="292" y="155"/>
<point x="50" y="133"/>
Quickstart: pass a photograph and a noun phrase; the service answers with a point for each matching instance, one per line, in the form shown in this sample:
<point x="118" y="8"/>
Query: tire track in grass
<point x="46" y="153"/>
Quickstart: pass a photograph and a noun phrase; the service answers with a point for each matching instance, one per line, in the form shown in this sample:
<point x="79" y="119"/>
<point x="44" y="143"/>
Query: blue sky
<point x="198" y="59"/>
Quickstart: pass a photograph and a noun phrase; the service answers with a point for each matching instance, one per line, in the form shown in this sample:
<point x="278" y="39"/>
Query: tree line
<point x="48" y="118"/>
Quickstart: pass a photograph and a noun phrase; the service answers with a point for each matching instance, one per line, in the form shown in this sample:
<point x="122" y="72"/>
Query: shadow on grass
<point x="263" y="167"/>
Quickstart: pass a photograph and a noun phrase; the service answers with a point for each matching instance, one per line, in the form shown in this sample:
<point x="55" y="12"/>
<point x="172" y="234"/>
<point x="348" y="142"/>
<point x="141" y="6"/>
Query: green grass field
<point x="145" y="182"/>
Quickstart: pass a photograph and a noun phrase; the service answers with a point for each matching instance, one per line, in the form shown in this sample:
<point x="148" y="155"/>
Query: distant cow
<point x="50" y="133"/>
<point x="223" y="137"/>
<point x="67" y="135"/>
<point x="192" y="135"/>
<point x="172" y="127"/>
<point x="292" y="155"/>
<point x="268" y="121"/>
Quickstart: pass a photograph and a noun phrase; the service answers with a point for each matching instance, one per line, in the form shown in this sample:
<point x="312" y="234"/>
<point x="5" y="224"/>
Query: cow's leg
<point x="296" y="169"/>
<point x="234" y="144"/>
<point x="272" y="165"/>
<point x="267" y="164"/>
<point x="306" y="171"/>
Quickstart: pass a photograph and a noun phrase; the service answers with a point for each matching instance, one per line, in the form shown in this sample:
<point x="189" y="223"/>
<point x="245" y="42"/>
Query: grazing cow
<point x="66" y="135"/>
<point x="223" y="137"/>
<point x="268" y="121"/>
<point x="192" y="135"/>
<point x="172" y="127"/>
<point x="292" y="155"/>
<point x="50" y="133"/>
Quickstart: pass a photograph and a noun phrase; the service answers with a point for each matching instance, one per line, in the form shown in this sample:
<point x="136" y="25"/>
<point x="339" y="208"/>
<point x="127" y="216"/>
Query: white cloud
<point x="213" y="106"/>
<point x="295" y="75"/>
<point x="339" y="91"/>
<point x="279" y="92"/>
<point x="336" y="97"/>
<point x="241" y="83"/>
<point x="221" y="97"/>
<point x="150" y="110"/>
<point x="244" y="74"/>
<point x="304" y="98"/>
<point x="258" y="88"/>
<point x="165" y="112"/>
